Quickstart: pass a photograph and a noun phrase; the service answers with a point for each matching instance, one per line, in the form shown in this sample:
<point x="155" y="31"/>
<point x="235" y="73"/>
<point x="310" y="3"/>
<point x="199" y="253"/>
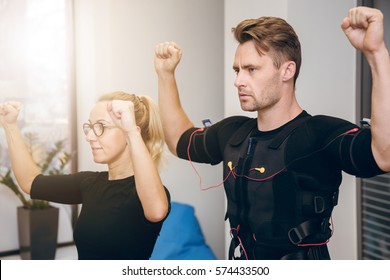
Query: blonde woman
<point x="122" y="208"/>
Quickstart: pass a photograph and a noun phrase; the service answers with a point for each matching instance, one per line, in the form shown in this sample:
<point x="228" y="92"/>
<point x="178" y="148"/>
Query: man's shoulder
<point x="236" y="128"/>
<point x="328" y="126"/>
<point x="235" y="122"/>
<point x="329" y="121"/>
<point x="237" y="119"/>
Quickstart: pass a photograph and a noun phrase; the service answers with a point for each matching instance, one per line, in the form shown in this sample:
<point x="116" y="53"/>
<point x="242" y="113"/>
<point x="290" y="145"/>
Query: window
<point x="36" y="55"/>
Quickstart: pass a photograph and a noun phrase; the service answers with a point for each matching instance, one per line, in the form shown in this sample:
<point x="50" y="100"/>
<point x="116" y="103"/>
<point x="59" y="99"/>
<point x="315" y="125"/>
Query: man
<point x="282" y="170"/>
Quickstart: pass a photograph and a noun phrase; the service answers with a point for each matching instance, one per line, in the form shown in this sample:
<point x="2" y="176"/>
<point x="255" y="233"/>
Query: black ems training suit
<point x="281" y="185"/>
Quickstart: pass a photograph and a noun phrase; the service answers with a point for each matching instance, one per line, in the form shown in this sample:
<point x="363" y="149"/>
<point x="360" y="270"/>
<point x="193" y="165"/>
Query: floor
<point x="62" y="253"/>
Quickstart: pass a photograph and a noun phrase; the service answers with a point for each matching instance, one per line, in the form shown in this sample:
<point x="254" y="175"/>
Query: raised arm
<point x="23" y="165"/>
<point x="365" y="30"/>
<point x="149" y="187"/>
<point x="174" y="119"/>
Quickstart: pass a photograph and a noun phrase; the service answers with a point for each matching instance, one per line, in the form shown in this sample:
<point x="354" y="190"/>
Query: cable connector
<point x="207" y="122"/>
<point x="365" y="122"/>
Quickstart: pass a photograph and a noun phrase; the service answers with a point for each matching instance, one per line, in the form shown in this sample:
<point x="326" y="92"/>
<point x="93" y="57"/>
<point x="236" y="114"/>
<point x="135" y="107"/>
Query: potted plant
<point x="37" y="219"/>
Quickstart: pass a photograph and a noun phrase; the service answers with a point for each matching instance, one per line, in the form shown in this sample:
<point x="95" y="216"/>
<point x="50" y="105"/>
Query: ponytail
<point x="151" y="129"/>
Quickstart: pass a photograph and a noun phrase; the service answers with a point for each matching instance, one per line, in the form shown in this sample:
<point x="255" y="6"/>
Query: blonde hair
<point x="147" y="117"/>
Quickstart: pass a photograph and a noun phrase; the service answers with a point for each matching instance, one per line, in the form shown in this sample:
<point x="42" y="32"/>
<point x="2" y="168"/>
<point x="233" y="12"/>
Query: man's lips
<point x="243" y="96"/>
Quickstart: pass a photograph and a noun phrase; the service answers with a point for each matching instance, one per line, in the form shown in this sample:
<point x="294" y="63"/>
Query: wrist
<point x="133" y="133"/>
<point x="377" y="56"/>
<point x="166" y="75"/>
<point x="10" y="126"/>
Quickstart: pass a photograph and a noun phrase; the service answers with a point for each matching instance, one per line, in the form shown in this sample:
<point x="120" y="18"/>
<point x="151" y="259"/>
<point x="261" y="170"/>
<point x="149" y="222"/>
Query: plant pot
<point x="38" y="231"/>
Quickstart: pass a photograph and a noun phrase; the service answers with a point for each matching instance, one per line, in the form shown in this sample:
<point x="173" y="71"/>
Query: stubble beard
<point x="266" y="102"/>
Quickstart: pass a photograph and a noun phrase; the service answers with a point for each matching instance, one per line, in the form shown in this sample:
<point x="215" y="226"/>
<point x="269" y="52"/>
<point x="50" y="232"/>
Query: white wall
<point x="115" y="46"/>
<point x="326" y="84"/>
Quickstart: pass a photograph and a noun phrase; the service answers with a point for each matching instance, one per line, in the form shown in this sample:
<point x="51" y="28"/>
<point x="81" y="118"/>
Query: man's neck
<point x="272" y="118"/>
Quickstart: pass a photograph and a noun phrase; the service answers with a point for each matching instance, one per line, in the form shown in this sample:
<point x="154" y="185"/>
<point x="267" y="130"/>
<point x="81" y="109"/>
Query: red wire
<point x="196" y="171"/>
<point x="189" y="155"/>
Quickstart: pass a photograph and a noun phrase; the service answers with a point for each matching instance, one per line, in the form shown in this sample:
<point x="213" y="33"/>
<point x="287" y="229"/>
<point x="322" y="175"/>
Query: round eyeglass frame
<point x="98" y="128"/>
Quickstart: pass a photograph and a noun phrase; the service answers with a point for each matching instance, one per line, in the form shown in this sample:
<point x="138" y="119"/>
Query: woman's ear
<point x="288" y="70"/>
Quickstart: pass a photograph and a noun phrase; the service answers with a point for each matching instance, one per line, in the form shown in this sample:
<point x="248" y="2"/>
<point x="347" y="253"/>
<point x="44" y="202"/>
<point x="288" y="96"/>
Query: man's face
<point x="258" y="80"/>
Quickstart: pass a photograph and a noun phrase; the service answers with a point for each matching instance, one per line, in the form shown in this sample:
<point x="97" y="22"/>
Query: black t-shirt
<point x="111" y="224"/>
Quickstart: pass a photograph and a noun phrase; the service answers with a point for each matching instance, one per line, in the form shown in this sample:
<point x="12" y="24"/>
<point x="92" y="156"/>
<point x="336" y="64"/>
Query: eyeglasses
<point x="97" y="128"/>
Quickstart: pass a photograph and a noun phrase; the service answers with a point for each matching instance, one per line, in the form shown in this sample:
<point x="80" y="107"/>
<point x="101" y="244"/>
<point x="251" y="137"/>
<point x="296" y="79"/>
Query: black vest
<point x="267" y="203"/>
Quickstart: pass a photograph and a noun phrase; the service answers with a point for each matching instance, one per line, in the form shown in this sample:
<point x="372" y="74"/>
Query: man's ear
<point x="288" y="70"/>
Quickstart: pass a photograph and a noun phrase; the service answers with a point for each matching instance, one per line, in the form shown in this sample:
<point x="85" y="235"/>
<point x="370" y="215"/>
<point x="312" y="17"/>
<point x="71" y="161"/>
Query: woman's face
<point x="111" y="145"/>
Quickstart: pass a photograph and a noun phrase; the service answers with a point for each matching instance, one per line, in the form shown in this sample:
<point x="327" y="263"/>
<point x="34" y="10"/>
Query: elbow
<point x="384" y="165"/>
<point x="382" y="157"/>
<point x="26" y="183"/>
<point x="172" y="149"/>
<point x="25" y="186"/>
<point x="171" y="146"/>
<point x="26" y="189"/>
<point x="157" y="214"/>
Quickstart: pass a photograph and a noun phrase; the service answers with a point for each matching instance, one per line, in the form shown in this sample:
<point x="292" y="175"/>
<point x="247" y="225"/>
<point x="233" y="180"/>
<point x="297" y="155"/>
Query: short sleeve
<point x="207" y="145"/>
<point x="64" y="189"/>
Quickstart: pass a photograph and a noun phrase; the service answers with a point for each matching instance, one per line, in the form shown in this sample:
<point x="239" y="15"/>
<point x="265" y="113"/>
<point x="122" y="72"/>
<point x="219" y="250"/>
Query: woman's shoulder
<point x="88" y="176"/>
